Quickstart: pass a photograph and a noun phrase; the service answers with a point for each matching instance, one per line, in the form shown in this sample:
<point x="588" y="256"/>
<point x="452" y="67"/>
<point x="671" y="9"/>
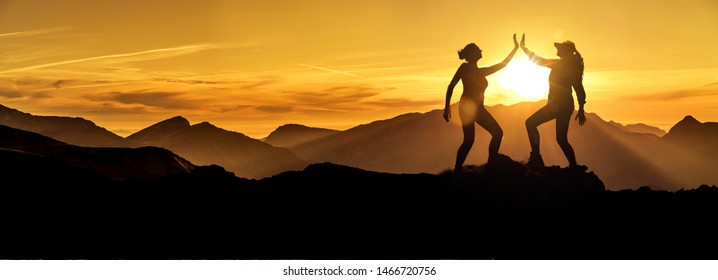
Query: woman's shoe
<point x="535" y="161"/>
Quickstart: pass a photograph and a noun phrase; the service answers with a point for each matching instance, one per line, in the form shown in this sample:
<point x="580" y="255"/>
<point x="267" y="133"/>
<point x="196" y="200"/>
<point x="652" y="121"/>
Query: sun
<point x="526" y="79"/>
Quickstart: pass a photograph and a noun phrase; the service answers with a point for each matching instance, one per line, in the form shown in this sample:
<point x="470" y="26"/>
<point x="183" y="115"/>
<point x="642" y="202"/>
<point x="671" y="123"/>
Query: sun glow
<point x="529" y="81"/>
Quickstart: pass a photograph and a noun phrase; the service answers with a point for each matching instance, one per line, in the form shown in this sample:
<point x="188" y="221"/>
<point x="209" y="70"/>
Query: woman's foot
<point x="458" y="170"/>
<point x="535" y="161"/>
<point x="577" y="168"/>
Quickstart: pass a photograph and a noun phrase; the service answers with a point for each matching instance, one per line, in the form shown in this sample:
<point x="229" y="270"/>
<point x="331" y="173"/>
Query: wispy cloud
<point x="334" y="97"/>
<point x="274" y="108"/>
<point x="108" y="109"/>
<point x="165" y="100"/>
<point x="33" y="32"/>
<point x="260" y="83"/>
<point x="226" y="108"/>
<point x="64" y="84"/>
<point x="403" y="103"/>
<point x="708" y="90"/>
<point x="123" y="57"/>
<point x="191" y="82"/>
<point x="10" y="93"/>
<point x="332" y="71"/>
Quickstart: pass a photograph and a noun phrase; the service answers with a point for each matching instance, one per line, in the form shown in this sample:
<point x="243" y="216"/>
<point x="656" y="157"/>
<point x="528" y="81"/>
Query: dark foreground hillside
<point x="329" y="211"/>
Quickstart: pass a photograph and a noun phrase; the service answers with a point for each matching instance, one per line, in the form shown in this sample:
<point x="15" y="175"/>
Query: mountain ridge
<point x="624" y="156"/>
<point x="205" y="144"/>
<point x="116" y="163"/>
<point x="424" y="142"/>
<point x="289" y="135"/>
<point x="256" y="160"/>
<point x="72" y="130"/>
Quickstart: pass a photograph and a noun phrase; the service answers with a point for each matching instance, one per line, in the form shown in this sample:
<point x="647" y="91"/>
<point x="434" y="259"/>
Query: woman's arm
<point x="581" y="95"/>
<point x="492" y="69"/>
<point x="450" y="90"/>
<point x="535" y="58"/>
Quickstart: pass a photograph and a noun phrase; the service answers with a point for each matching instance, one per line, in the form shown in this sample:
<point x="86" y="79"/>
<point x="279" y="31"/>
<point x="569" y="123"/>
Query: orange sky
<point x="250" y="66"/>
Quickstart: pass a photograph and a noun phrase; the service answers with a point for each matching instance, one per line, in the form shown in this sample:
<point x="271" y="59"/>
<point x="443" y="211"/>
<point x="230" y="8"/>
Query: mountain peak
<point x="693" y="132"/>
<point x="161" y="129"/>
<point x="206" y="129"/>
<point x="178" y="121"/>
<point x="689" y="119"/>
<point x="292" y="126"/>
<point x="688" y="124"/>
<point x="205" y="124"/>
<point x="289" y="135"/>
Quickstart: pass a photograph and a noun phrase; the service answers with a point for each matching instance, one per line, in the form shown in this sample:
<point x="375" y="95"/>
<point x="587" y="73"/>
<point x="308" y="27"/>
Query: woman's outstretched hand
<point x="581" y="117"/>
<point x="523" y="42"/>
<point x="447" y="114"/>
<point x="516" y="43"/>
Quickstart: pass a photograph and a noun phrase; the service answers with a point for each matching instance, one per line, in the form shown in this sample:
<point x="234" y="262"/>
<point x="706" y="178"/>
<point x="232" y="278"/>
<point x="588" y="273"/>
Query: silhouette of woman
<point x="566" y="73"/>
<point x="471" y="104"/>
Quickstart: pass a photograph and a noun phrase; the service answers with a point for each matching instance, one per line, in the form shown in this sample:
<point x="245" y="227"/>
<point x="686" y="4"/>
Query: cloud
<point x="123" y="57"/>
<point x="64" y="84"/>
<point x="240" y="84"/>
<point x="22" y="82"/>
<point x="191" y="82"/>
<point x="403" y="103"/>
<point x="60" y="83"/>
<point x="165" y="100"/>
<point x="335" y="96"/>
<point x="33" y="32"/>
<point x="13" y="91"/>
<point x="259" y="83"/>
<point x="226" y="108"/>
<point x="10" y="93"/>
<point x="110" y="109"/>
<point x="681" y="94"/>
<point x="274" y="108"/>
<point x="332" y="71"/>
<point x="41" y="95"/>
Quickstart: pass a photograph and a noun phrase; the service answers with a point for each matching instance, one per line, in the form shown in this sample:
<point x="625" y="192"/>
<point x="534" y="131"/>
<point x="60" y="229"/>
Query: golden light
<point x="528" y="80"/>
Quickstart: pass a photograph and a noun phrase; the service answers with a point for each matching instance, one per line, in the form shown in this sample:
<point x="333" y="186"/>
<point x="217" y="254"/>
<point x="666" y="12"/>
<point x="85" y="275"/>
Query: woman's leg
<point x="541" y="116"/>
<point x="465" y="146"/>
<point x="487" y="121"/>
<point x="562" y="121"/>
<point x="468" y="112"/>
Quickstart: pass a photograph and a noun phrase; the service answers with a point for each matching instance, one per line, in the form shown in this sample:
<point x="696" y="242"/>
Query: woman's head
<point x="470" y="53"/>
<point x="567" y="50"/>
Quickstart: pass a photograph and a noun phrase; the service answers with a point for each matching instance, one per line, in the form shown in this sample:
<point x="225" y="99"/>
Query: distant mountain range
<point x="27" y="153"/>
<point x="623" y="156"/>
<point x="77" y="131"/>
<point x="644" y="128"/>
<point x="202" y="143"/>
<point x="206" y="144"/>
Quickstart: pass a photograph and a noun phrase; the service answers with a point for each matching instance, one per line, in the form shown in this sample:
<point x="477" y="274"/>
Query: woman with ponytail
<point x="566" y="75"/>
<point x="471" y="105"/>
